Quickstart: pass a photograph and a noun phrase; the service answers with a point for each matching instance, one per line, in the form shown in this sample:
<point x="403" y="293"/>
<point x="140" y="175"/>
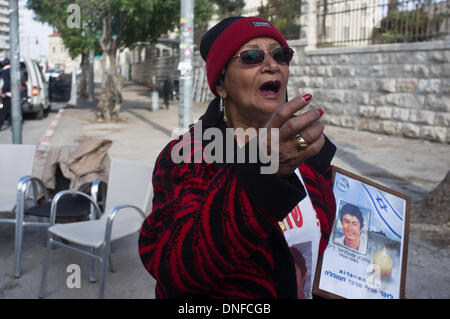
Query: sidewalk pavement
<point x="408" y="166"/>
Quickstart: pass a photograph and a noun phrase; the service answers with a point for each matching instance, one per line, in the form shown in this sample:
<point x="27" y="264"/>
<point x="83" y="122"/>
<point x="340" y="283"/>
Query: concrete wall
<point x="147" y="71"/>
<point x="143" y="73"/>
<point x="395" y="89"/>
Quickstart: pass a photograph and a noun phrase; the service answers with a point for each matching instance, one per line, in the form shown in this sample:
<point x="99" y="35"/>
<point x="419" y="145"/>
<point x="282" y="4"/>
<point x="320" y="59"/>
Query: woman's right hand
<point x="306" y="125"/>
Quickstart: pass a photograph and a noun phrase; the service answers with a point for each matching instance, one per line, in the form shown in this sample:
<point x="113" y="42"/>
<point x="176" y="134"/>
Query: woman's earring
<point x="224" y="113"/>
<point x="222" y="108"/>
<point x="222" y="101"/>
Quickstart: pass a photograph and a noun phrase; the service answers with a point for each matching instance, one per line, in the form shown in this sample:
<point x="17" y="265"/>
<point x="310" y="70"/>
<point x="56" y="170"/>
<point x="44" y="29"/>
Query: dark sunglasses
<point x="256" y="56"/>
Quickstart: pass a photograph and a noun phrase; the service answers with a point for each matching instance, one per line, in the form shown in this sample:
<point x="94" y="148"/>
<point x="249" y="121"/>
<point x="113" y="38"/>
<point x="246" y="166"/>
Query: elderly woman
<point x="223" y="229"/>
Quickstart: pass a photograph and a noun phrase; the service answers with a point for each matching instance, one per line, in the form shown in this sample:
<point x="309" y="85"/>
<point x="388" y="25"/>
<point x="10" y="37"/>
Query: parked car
<point x="53" y="73"/>
<point x="36" y="99"/>
<point x="59" y="88"/>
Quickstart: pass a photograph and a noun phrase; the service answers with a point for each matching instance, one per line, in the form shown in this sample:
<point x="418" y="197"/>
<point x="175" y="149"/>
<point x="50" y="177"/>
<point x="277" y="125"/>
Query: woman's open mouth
<point x="270" y="89"/>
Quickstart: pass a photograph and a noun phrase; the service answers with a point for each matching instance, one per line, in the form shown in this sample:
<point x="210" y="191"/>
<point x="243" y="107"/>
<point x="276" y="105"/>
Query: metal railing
<point x="364" y="22"/>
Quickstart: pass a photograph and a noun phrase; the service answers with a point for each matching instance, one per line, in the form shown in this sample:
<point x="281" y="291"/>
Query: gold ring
<point x="301" y="143"/>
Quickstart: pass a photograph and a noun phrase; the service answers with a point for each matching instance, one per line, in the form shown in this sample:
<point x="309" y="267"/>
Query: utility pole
<point x="91" y="76"/>
<point x="88" y="30"/>
<point x="186" y="64"/>
<point x="16" y="112"/>
<point x="73" y="88"/>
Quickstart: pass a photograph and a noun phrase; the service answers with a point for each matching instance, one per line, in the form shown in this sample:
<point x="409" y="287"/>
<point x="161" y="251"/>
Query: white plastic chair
<point x="17" y="187"/>
<point x="16" y="166"/>
<point x="129" y="192"/>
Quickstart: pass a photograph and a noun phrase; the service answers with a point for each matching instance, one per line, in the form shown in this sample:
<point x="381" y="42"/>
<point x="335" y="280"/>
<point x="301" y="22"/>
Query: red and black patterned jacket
<point x="214" y="232"/>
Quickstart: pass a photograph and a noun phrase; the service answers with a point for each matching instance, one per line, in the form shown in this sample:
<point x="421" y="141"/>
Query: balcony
<point x="4" y="20"/>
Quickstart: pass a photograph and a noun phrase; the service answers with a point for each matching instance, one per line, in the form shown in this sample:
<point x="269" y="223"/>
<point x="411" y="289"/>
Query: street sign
<point x="187" y="52"/>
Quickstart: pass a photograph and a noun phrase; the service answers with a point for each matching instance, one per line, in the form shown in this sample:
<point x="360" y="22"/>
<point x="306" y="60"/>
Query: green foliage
<point x="408" y="26"/>
<point x="131" y="21"/>
<point x="284" y="15"/>
<point x="203" y="10"/>
<point x="227" y="8"/>
<point x="54" y="12"/>
<point x="113" y="25"/>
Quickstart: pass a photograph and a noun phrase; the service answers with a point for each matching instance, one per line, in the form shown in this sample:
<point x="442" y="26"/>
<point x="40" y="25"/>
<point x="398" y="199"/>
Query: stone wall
<point x="395" y="89"/>
<point x="148" y="71"/>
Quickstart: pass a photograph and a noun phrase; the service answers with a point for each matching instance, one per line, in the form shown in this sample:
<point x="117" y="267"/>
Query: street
<point x="140" y="134"/>
<point x="32" y="130"/>
<point x="377" y="72"/>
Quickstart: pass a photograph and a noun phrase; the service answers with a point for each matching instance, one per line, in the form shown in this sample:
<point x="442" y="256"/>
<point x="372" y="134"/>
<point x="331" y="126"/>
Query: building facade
<point x="58" y="55"/>
<point x="4" y="28"/>
<point x="33" y="35"/>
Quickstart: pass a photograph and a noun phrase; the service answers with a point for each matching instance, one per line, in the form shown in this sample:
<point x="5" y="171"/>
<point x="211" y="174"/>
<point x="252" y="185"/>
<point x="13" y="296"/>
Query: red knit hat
<point x="222" y="41"/>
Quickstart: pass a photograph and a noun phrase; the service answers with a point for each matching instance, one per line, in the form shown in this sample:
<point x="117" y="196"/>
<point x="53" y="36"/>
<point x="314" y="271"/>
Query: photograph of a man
<point x="352" y="222"/>
<point x="300" y="271"/>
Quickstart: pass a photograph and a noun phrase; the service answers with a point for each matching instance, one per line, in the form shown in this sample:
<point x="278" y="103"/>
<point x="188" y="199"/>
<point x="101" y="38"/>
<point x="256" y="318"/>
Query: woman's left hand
<point x="306" y="125"/>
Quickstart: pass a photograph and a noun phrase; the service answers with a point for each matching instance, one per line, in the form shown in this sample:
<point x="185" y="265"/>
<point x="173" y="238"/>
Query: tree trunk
<point x="110" y="101"/>
<point x="434" y="209"/>
<point x="116" y="87"/>
<point x="103" y="100"/>
<point x="430" y="218"/>
<point x="82" y="88"/>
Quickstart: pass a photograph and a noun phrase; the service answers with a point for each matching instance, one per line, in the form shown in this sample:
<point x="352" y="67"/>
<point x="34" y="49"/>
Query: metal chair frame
<point x="104" y="260"/>
<point x="23" y="188"/>
<point x="15" y="171"/>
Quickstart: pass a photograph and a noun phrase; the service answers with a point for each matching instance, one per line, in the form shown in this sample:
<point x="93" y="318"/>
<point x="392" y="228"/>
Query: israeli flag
<point x="387" y="213"/>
